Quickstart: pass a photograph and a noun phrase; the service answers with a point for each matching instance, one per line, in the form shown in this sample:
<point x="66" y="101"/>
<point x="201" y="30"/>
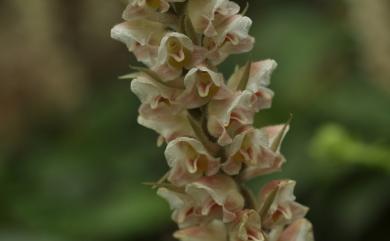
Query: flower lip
<point x="189" y="161"/>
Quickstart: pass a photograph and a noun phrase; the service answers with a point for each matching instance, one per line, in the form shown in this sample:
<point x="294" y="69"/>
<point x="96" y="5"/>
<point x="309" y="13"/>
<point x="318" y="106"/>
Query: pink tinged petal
<point x="213" y="231"/>
<point x="233" y="38"/>
<point x="166" y="73"/>
<point x="275" y="233"/>
<point x="151" y="92"/>
<point x="172" y="44"/>
<point x="246" y="148"/>
<point x="145" y="54"/>
<point x="201" y="14"/>
<point x="163" y="121"/>
<point x="184" y="206"/>
<point x="175" y="53"/>
<point x="179" y="202"/>
<point x="282" y="208"/>
<point x="141" y="31"/>
<point x="260" y="74"/>
<point x="271" y="162"/>
<point x="140" y="11"/>
<point x="256" y="82"/>
<point x="219" y="119"/>
<point x="247" y="227"/>
<point x="229" y="116"/>
<point x="189" y="160"/>
<point x="122" y="32"/>
<point x="228" y="8"/>
<point x="202" y="85"/>
<point x="160" y="5"/>
<point x="220" y="54"/>
<point x="276" y="135"/>
<point x="300" y="230"/>
<point x="205" y="15"/>
<point x="232" y="166"/>
<point x="223" y="191"/>
<point x="198" y="56"/>
<point x="141" y="37"/>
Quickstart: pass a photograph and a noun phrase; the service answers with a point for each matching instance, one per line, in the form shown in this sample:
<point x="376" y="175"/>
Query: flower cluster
<point x="212" y="147"/>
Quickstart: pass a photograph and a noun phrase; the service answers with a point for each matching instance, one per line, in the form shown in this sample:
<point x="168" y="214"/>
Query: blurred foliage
<point x="334" y="143"/>
<point x="72" y="157"/>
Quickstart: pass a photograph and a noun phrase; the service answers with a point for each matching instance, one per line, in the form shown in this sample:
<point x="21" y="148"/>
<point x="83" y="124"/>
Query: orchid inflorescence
<point x="206" y="122"/>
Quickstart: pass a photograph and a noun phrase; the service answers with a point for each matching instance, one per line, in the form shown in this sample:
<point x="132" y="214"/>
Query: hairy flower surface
<point x="212" y="147"/>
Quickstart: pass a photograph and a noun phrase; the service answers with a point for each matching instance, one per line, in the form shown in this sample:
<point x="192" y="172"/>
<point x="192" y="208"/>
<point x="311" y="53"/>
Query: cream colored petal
<point x="222" y="113"/>
<point x="123" y="33"/>
<point x="223" y="191"/>
<point x="232" y="38"/>
<point x="176" y="200"/>
<point x="247" y="227"/>
<point x="201" y="13"/>
<point x="141" y="37"/>
<point x="160" y="5"/>
<point x="151" y="92"/>
<point x="276" y="134"/>
<point x="275" y="233"/>
<point x="135" y="11"/>
<point x="172" y="59"/>
<point x="282" y="209"/>
<point x="180" y="203"/>
<point x="183" y="207"/>
<point x="228" y="8"/>
<point x="213" y="231"/>
<point x="146" y="54"/>
<point x="205" y="15"/>
<point x="139" y="30"/>
<point x="246" y="148"/>
<point x="184" y="41"/>
<point x="271" y="162"/>
<point x="233" y="30"/>
<point x="218" y="55"/>
<point x="202" y="85"/>
<point x="300" y="230"/>
<point x="260" y="74"/>
<point x="189" y="160"/>
<point x="168" y="125"/>
<point x="198" y="56"/>
<point x="166" y="73"/>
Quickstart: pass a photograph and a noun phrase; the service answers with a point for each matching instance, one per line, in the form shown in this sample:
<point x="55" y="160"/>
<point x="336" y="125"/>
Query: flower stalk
<point x="212" y="147"/>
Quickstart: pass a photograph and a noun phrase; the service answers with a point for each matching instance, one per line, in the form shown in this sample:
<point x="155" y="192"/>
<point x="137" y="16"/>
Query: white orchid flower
<point x="206" y="14"/>
<point x="278" y="204"/>
<point x="232" y="38"/>
<point x="231" y="116"/>
<point x="142" y="37"/>
<point x="202" y="85"/>
<point x="247" y="227"/>
<point x="189" y="161"/>
<point x="252" y="150"/>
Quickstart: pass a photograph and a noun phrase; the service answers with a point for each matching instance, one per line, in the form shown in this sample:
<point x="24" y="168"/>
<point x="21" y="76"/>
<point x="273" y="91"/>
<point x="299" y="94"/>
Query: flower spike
<point x="206" y="121"/>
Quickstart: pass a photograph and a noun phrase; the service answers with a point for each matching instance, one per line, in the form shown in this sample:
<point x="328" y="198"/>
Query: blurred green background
<point x="72" y="157"/>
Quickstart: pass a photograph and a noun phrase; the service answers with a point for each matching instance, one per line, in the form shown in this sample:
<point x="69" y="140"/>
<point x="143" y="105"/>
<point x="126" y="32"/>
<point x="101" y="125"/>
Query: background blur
<point x="72" y="157"/>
